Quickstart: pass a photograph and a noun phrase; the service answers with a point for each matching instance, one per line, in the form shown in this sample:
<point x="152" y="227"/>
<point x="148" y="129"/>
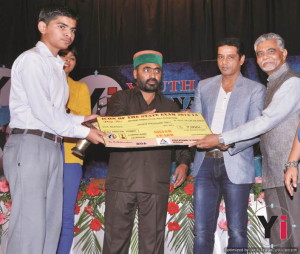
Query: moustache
<point x="152" y="79"/>
<point x="267" y="62"/>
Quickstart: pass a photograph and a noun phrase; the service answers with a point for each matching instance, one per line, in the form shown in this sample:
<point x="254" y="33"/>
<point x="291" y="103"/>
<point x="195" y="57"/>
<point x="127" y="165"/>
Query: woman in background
<point x="79" y="103"/>
<point x="4" y="121"/>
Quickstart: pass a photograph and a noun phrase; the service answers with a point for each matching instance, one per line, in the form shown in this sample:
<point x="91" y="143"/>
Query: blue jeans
<point x="72" y="178"/>
<point x="211" y="183"/>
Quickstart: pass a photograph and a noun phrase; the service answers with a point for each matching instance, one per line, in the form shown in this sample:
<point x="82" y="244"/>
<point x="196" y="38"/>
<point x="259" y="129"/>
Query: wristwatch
<point x="221" y="140"/>
<point x="290" y="164"/>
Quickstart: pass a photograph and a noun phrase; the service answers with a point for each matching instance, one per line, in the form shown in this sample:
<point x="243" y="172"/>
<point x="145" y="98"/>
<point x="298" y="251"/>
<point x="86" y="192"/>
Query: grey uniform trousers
<point x="33" y="167"/>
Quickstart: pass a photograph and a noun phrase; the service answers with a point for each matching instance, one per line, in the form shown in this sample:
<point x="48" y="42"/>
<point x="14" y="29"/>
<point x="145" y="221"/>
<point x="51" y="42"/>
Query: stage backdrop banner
<point x="179" y="80"/>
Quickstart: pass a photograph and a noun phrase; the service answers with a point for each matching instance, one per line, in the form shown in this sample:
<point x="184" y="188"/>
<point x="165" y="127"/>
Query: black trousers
<point x="120" y="210"/>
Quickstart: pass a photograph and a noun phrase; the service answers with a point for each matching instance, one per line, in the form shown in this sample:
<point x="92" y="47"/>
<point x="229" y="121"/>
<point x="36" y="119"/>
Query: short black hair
<point x="71" y="48"/>
<point x="52" y="11"/>
<point x="232" y="41"/>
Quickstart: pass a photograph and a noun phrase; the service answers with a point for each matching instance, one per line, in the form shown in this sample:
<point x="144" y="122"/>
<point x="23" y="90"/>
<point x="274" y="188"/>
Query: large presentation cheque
<point x="148" y="130"/>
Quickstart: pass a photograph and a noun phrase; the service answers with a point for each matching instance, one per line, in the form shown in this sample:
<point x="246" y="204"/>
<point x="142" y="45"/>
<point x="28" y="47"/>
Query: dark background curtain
<point x="111" y="31"/>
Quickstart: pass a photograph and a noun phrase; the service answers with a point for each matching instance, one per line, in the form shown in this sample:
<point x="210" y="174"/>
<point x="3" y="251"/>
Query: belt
<point x="44" y="134"/>
<point x="71" y="140"/>
<point x="214" y="154"/>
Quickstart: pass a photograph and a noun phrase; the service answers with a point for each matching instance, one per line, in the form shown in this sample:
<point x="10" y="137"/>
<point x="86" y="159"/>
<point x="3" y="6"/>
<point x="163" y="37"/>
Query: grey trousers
<point x="33" y="167"/>
<point x="280" y="203"/>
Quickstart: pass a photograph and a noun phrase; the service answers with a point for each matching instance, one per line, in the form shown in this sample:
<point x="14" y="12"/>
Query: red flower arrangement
<point x="171" y="187"/>
<point x="89" y="210"/>
<point x="77" y="209"/>
<point x="223" y="225"/>
<point x="95" y="225"/>
<point x="4" y="186"/>
<point x="90" y="199"/>
<point x="3" y="218"/>
<point x="5" y="205"/>
<point x="173" y="226"/>
<point x="91" y="217"/>
<point x="92" y="189"/>
<point x="189" y="189"/>
<point x="173" y="208"/>
<point x="191" y="215"/>
<point x="76" y="229"/>
<point x="79" y="194"/>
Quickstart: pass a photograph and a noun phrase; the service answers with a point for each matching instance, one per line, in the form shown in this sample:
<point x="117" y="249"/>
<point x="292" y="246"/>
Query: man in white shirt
<point x="32" y="156"/>
<point x="226" y="101"/>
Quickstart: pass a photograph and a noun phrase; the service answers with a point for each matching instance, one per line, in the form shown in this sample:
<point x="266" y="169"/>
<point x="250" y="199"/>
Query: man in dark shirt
<point x="138" y="178"/>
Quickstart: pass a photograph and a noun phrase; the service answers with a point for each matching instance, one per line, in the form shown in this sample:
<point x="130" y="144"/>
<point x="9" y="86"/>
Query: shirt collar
<point x="276" y="74"/>
<point x="46" y="51"/>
